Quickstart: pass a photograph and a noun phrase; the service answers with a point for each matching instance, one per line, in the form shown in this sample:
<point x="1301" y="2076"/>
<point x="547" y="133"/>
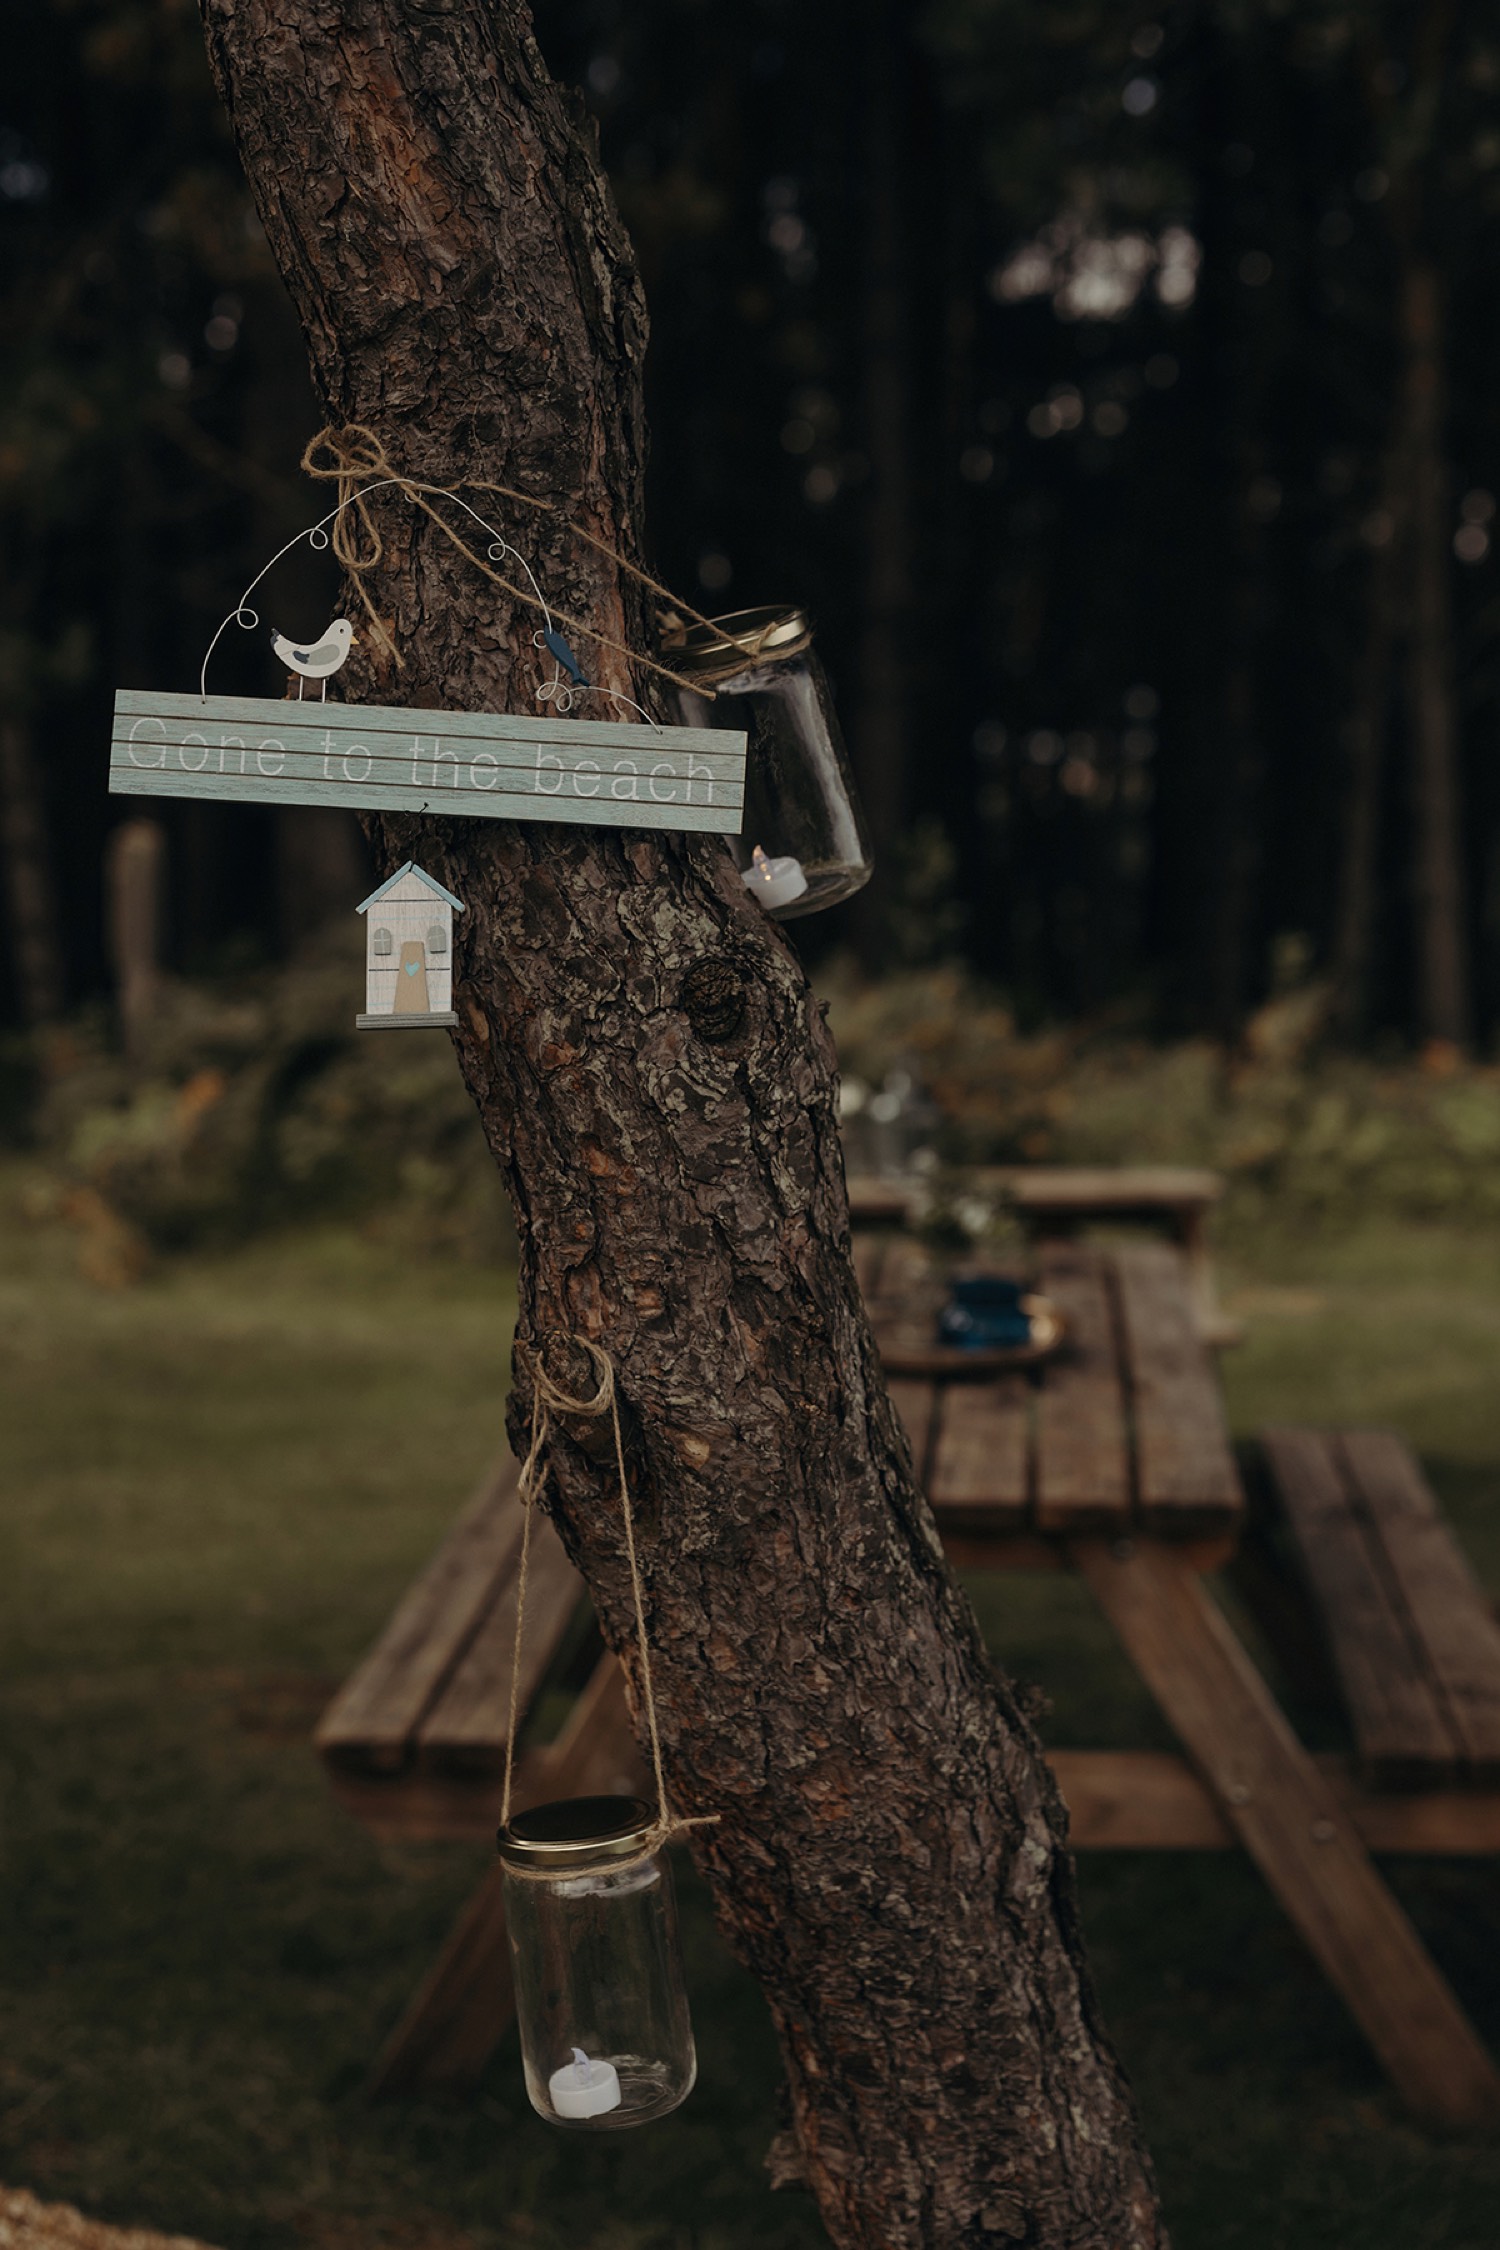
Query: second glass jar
<point x="803" y="845"/>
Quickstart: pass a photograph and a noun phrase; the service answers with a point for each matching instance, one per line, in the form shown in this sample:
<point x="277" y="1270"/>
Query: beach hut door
<point x="411" y="979"/>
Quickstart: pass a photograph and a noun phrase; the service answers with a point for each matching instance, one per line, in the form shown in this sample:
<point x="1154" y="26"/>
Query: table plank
<point x="1186" y="1480"/>
<point x="466" y="1725"/>
<point x="915" y="1402"/>
<point x="1114" y="1191"/>
<point x="1400" y="1728"/>
<point x="907" y="1275"/>
<point x="877" y="1201"/>
<point x="1447" y="1615"/>
<point x="1071" y="1190"/>
<point x="1149" y="1800"/>
<point x="869" y="1249"/>
<point x="1082" y="1464"/>
<point x="980" y="1455"/>
<point x="371" y="1723"/>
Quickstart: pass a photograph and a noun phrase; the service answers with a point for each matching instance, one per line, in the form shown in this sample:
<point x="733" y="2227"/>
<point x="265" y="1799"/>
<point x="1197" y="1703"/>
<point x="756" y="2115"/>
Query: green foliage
<point x="1295" y="1128"/>
<point x="256" y="1105"/>
<point x="925" y="915"/>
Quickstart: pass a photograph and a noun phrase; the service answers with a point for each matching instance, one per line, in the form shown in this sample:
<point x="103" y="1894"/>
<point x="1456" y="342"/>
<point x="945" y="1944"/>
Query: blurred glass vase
<point x="803" y="845"/>
<point x="600" y="2002"/>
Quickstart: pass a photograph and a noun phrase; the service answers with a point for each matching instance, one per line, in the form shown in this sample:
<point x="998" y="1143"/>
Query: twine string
<point x="548" y="1398"/>
<point x="346" y="456"/>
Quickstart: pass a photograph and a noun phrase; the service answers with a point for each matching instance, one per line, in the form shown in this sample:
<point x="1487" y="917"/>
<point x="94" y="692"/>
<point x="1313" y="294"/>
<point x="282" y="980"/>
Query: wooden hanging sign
<point x="467" y="764"/>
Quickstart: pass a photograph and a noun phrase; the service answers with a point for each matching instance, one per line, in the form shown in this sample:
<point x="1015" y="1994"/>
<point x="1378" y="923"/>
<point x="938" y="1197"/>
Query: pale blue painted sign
<point x="468" y="764"/>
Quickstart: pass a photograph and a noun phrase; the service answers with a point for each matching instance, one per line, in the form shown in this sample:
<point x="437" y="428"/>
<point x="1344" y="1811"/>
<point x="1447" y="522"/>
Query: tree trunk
<point x="322" y="868"/>
<point x="1242" y="781"/>
<point x="135" y="868"/>
<point x="1366" y="738"/>
<point x="890" y="1862"/>
<point x="1410" y="136"/>
<point x="30" y="891"/>
<point x="1442" y="953"/>
<point x="1255" y="348"/>
<point x="882" y="692"/>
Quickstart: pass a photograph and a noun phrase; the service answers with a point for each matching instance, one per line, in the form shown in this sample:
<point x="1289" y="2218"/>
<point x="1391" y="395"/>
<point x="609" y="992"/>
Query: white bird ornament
<point x="319" y="662"/>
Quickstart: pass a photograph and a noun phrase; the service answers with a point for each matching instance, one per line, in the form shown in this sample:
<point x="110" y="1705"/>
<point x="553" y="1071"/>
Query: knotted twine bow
<point x="549" y="1398"/>
<point x="347" y="456"/>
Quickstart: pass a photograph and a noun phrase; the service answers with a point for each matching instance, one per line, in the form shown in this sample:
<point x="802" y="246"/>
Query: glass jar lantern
<point x="603" y="2015"/>
<point x="803" y="844"/>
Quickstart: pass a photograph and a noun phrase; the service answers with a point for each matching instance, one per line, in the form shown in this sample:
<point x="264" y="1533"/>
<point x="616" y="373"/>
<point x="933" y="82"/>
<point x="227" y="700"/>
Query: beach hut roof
<point x="411" y="868"/>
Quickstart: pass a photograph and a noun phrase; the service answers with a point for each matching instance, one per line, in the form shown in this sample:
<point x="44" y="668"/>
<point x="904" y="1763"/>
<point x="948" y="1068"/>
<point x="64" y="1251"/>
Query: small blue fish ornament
<point x="565" y="656"/>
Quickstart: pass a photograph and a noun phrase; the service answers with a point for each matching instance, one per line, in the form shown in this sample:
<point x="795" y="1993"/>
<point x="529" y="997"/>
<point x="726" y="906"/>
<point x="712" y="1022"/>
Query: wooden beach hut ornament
<point x="408" y="952"/>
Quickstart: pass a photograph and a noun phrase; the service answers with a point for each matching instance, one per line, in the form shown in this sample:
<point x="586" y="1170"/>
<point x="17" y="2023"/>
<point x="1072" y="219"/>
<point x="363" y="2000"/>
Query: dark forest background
<point x="1117" y="387"/>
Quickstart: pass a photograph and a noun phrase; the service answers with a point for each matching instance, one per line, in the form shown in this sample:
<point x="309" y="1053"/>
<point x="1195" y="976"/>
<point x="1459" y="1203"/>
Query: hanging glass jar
<point x="803" y="844"/>
<point x="603" y="2015"/>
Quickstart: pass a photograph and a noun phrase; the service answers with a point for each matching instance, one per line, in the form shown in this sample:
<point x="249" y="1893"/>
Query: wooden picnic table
<point x="1059" y="1199"/>
<point x="1122" y="1431"/>
<point x="1112" y="1459"/>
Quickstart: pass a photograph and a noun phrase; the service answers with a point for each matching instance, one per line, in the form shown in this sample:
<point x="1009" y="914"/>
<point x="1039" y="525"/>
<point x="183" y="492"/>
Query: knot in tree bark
<point x="712" y="997"/>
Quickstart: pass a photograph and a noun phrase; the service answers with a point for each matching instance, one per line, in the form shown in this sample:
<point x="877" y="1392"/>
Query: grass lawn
<point x="216" y="1483"/>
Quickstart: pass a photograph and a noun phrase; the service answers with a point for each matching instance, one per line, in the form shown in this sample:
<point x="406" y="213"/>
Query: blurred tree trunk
<point x="1366" y="739"/>
<point x="135" y="867"/>
<point x="31" y="894"/>
<point x="881" y="703"/>
<point x="1244" y="111"/>
<point x="322" y="869"/>
<point x="656" y="1083"/>
<point x="1404" y="96"/>
<point x="1442" y="950"/>
<point x="1239" y="858"/>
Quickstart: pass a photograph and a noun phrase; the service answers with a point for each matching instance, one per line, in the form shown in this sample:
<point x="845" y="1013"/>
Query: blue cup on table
<point x="984" y="1314"/>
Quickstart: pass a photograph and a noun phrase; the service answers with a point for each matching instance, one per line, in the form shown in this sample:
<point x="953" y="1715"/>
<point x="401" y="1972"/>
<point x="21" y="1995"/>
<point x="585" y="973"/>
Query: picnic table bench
<point x="414" y="1746"/>
<point x="1411" y="1640"/>
<point x="1111" y="1459"/>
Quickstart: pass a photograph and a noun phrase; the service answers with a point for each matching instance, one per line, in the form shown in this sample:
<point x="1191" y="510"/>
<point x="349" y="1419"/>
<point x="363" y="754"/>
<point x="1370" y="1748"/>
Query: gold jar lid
<point x="726" y="645"/>
<point x="577" y="1832"/>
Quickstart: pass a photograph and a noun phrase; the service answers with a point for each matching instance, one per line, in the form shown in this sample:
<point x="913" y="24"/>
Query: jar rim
<point x="575" y="1832"/>
<point x="752" y="636"/>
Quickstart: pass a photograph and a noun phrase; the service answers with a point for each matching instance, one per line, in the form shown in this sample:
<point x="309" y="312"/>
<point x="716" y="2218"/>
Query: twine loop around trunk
<point x="347" y="456"/>
<point x="548" y="1398"/>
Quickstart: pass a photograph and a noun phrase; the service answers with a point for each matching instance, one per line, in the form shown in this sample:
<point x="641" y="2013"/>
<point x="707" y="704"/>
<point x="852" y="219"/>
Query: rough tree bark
<point x="658" y="1087"/>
